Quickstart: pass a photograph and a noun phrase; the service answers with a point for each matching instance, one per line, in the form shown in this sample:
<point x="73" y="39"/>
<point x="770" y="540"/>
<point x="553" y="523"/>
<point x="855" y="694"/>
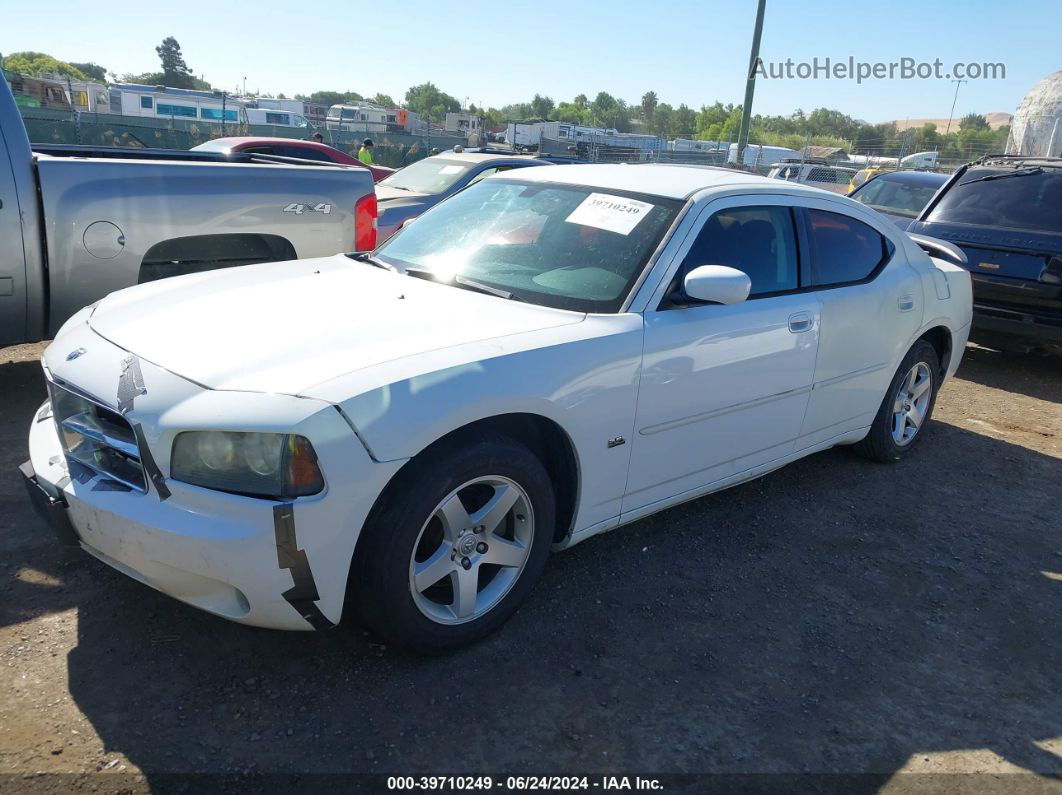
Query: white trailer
<point x="920" y="160"/>
<point x="277" y="118"/>
<point x="177" y="104"/>
<point x="687" y="145"/>
<point x="88" y="96"/>
<point x="761" y="156"/>
<point x="523" y="134"/>
<point x="272" y="103"/>
<point x="361" y="118"/>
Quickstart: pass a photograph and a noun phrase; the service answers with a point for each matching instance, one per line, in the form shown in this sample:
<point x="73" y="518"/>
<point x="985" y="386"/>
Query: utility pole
<point x="750" y="84"/>
<point x="952" y="114"/>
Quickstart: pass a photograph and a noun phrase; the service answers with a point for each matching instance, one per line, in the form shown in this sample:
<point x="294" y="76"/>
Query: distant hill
<point x="995" y="121"/>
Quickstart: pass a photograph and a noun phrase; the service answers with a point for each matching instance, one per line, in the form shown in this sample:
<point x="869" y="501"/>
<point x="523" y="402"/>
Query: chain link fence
<point x="54" y="126"/>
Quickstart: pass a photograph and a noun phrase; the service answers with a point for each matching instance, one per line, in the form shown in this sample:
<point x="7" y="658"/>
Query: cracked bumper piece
<point x="254" y="561"/>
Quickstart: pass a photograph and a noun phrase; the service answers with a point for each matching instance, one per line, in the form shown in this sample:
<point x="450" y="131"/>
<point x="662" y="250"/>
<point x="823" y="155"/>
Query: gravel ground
<point x="834" y="617"/>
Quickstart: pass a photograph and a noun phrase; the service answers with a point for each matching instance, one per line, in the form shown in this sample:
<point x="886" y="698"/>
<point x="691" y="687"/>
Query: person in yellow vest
<point x="365" y="153"/>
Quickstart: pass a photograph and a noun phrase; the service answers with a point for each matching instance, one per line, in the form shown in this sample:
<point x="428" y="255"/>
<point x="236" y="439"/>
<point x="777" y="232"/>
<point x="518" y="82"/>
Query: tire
<point x="422" y="553"/>
<point x="887" y="441"/>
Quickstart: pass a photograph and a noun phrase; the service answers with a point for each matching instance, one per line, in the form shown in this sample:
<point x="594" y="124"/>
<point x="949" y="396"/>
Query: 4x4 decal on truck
<point x="299" y="209"/>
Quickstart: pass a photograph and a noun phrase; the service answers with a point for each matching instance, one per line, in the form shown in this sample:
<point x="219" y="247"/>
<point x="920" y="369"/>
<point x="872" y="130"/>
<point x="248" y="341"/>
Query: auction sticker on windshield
<point x="452" y="169"/>
<point x="611" y="213"/>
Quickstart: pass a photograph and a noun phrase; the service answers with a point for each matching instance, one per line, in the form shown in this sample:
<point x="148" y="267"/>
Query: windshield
<point x="896" y="197"/>
<point x="1032" y="201"/>
<point x="433" y="175"/>
<point x="568" y="247"/>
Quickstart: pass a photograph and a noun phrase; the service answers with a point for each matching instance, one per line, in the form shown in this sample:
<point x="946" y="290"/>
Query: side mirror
<point x="718" y="284"/>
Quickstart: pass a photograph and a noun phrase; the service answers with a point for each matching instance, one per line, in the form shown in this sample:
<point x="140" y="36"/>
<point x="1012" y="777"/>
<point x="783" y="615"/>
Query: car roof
<point x="1016" y="161"/>
<point x="236" y="140"/>
<point x="478" y="157"/>
<point x="669" y="181"/>
<point x="913" y="177"/>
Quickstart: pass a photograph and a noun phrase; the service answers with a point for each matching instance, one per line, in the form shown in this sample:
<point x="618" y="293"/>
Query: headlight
<point x="276" y="465"/>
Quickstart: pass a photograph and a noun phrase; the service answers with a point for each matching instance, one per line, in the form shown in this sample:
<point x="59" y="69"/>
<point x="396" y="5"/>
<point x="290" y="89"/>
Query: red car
<point x="291" y="147"/>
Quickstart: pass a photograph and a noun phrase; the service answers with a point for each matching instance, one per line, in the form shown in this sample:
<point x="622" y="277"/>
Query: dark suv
<point x="1005" y="213"/>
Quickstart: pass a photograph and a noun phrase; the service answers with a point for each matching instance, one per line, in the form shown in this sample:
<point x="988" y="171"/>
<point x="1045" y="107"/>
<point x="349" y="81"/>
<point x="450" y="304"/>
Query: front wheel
<point x="462" y="538"/>
<point x="904" y="413"/>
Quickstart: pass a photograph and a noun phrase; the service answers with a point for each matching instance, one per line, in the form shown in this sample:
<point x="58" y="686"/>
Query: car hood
<point x="386" y="196"/>
<point x="902" y="221"/>
<point x="285" y="326"/>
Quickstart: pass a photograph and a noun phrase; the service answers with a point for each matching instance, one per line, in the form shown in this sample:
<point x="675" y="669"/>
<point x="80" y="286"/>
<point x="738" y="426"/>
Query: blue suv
<point x="1005" y="213"/>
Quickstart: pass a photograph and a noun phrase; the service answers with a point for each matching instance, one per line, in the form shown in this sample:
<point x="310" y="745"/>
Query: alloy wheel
<point x="911" y="404"/>
<point x="471" y="550"/>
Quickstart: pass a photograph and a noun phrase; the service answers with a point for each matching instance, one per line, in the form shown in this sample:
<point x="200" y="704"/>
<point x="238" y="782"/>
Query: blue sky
<point x="692" y="52"/>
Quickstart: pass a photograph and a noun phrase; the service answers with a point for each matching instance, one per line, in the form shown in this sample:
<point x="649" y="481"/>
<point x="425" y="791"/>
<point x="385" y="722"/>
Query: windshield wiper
<point x="398" y="187"/>
<point x="464" y="282"/>
<point x="1021" y="172"/>
<point x="369" y="259"/>
<point x="472" y="284"/>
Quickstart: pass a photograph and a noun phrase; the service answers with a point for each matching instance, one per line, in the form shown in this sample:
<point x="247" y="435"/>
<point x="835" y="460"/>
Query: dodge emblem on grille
<point x="74" y="354"/>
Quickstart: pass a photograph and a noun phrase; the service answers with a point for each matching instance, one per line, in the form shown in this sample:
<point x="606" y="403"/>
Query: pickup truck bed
<point x="173" y="155"/>
<point x="80" y="222"/>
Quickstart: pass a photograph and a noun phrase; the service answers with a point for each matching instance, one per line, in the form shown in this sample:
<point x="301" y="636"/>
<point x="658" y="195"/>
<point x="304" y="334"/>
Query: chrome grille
<point x="96" y="437"/>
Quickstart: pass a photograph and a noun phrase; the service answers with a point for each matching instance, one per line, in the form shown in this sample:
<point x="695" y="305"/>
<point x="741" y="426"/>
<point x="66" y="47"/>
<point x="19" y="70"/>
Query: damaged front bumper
<point x="282" y="565"/>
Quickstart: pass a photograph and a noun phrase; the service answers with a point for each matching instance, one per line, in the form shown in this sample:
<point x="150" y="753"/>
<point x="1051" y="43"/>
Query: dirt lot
<point x="835" y="617"/>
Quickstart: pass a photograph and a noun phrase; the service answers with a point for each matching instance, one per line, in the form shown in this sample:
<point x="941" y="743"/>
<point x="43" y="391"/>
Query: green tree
<point x="175" y="72"/>
<point x="718" y="122"/>
<point x="571" y="113"/>
<point x="926" y="138"/>
<point x="384" y="100"/>
<point x="37" y="64"/>
<point x="518" y="110"/>
<point x="684" y="123"/>
<point x="580" y="101"/>
<point x="608" y="111"/>
<point x="431" y="103"/>
<point x="973" y="121"/>
<point x="330" y="97"/>
<point x="93" y="71"/>
<point x="541" y="107"/>
<point x="649" y="103"/>
<point x="663" y="119"/>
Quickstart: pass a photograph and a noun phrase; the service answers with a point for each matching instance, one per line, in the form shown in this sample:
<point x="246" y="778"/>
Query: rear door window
<point x="1022" y="198"/>
<point x="843" y="249"/>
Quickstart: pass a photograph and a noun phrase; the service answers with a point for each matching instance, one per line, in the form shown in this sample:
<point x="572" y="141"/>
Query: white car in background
<point x="547" y="355"/>
<point x="835" y="179"/>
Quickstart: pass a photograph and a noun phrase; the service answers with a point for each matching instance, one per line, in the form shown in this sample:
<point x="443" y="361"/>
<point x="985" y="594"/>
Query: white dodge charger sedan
<point x="547" y="355"/>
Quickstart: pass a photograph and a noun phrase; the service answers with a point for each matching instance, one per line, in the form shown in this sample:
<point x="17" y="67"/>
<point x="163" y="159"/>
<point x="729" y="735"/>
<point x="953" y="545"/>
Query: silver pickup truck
<point x="78" y="223"/>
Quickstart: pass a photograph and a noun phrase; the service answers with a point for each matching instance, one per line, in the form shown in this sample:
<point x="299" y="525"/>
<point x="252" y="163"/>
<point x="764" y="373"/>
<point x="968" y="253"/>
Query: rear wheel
<point x="462" y="538"/>
<point x="905" y="411"/>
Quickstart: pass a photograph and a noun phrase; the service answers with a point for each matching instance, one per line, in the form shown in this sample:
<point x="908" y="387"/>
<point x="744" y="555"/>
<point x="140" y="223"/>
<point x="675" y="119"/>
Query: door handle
<point x="906" y="303"/>
<point x="800" y="322"/>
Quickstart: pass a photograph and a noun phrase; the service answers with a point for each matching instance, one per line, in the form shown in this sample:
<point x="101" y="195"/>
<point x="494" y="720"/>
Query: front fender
<point x="588" y="386"/>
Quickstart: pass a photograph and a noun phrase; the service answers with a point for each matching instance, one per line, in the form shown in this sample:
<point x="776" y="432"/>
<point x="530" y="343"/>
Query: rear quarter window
<point x="1031" y="201"/>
